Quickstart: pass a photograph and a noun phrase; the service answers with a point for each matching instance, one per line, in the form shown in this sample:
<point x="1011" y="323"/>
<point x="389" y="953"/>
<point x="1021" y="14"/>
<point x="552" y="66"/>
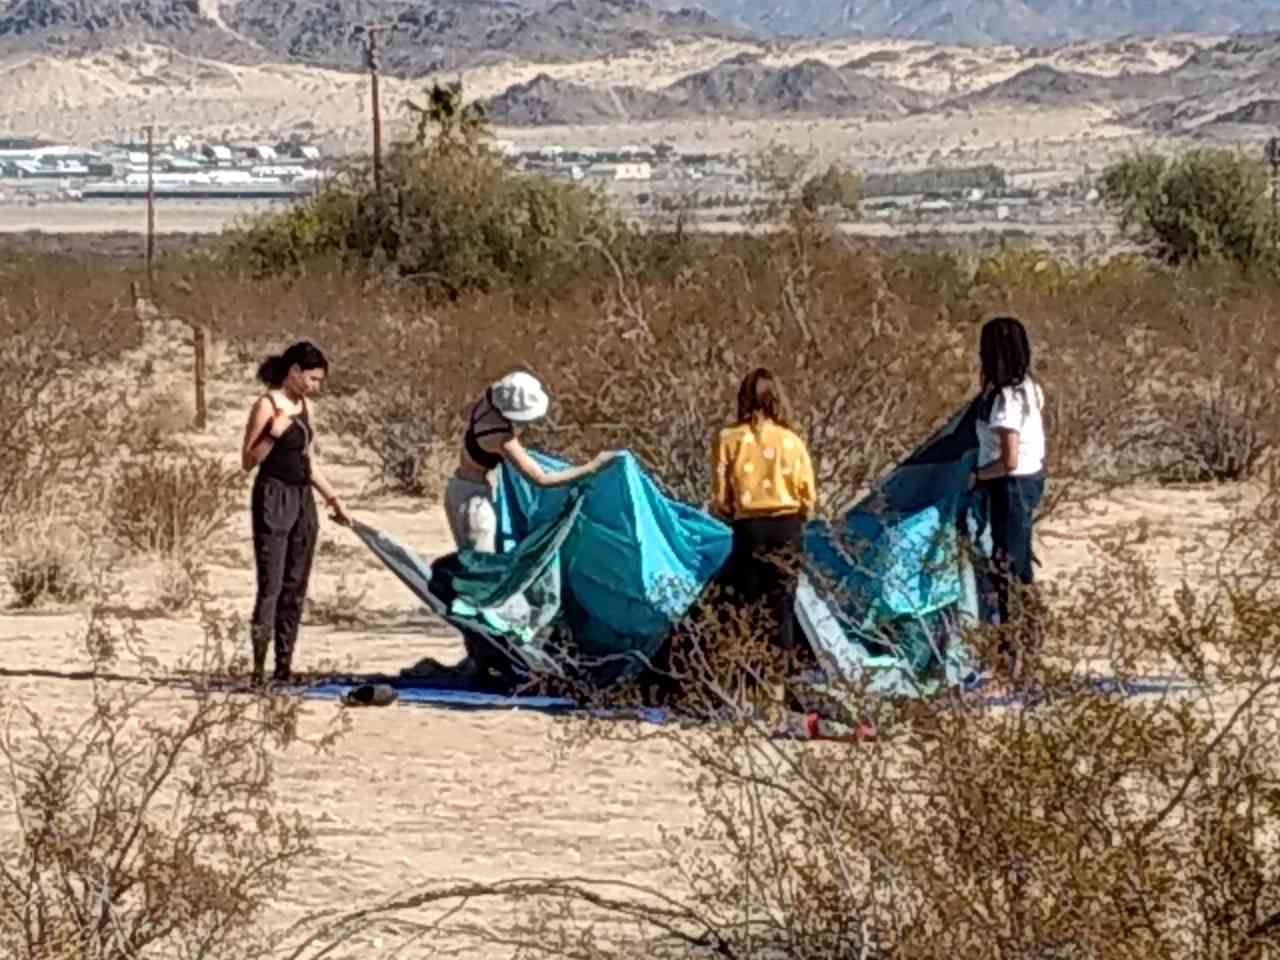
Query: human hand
<point x="972" y="481"/>
<point x="339" y="512"/>
<point x="603" y="459"/>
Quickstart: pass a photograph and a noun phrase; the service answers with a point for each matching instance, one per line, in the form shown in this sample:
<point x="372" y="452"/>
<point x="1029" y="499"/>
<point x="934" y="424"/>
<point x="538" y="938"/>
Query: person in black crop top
<point x="492" y="438"/>
<point x="278" y="441"/>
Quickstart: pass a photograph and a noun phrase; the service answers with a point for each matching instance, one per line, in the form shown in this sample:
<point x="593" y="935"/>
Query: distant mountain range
<point x="994" y="21"/>
<point x="427" y="35"/>
<point x="740" y="86"/>
<point x="1234" y="82"/>
<point x="431" y="35"/>
<point x="1181" y="84"/>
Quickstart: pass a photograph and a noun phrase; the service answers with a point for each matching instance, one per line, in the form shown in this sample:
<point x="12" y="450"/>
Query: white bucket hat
<point x="520" y="397"/>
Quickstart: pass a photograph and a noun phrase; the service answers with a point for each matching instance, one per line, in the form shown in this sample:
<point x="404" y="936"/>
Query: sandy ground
<point x="416" y="794"/>
<point x="172" y="216"/>
<point x="199" y="217"/>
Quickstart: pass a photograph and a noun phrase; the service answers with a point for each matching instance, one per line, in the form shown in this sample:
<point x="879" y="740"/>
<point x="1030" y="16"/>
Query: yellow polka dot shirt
<point x="761" y="472"/>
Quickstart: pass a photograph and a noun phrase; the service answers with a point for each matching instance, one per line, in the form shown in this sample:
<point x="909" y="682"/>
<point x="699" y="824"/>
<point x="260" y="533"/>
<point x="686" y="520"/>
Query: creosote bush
<point x="1205" y="204"/>
<point x="47" y="561"/>
<point x="149" y="823"/>
<point x="172" y="503"/>
<point x="451" y="218"/>
<point x="62" y="324"/>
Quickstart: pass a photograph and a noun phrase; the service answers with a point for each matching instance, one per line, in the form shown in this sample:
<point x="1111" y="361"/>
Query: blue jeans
<point x="1011" y="507"/>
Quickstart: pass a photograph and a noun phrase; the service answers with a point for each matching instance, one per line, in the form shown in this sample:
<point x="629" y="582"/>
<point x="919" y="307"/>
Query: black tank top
<point x="471" y="439"/>
<point x="289" y="459"/>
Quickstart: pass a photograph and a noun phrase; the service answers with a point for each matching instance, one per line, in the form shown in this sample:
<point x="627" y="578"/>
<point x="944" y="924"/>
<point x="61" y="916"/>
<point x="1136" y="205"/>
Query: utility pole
<point x="1273" y="158"/>
<point x="372" y="62"/>
<point x="151" y="211"/>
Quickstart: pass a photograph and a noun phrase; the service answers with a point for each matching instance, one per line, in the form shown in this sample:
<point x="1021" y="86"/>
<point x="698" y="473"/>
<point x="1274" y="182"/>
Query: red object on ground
<point x="812" y="725"/>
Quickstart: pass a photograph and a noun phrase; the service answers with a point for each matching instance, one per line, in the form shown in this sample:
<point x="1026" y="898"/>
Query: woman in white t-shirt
<point x="1011" y="454"/>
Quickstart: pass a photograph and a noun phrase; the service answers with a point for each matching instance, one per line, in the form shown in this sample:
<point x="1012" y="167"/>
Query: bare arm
<point x="256" y="444"/>
<point x="1007" y="462"/>
<point x="528" y="468"/>
<point x="323" y="487"/>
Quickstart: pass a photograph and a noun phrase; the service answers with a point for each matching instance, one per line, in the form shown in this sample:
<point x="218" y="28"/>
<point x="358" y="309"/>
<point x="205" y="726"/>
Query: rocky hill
<point x="189" y="26"/>
<point x="425" y="35"/>
<point x="746" y="85"/>
<point x="740" y="86"/>
<point x="545" y="101"/>
<point x="1218" y="85"/>
<point x="1046" y="86"/>
<point x="997" y="21"/>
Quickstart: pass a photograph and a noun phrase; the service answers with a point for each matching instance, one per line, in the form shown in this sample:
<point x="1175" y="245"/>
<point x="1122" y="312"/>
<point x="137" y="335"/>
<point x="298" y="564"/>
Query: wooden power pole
<point x="1273" y="158"/>
<point x="151" y="211"/>
<point x="371" y="57"/>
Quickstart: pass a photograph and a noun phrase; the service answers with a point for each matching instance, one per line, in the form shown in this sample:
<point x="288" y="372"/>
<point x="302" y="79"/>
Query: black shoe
<point x="371" y="695"/>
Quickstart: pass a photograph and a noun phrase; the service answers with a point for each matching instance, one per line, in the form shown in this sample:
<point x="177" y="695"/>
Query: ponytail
<point x="303" y="354"/>
<point x="760" y="399"/>
<point x="272" y="371"/>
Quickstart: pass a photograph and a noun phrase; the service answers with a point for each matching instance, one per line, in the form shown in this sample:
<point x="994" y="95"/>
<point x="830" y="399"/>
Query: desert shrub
<point x="182" y="581"/>
<point x="47" y="560"/>
<point x="345" y="607"/>
<point x="150" y="823"/>
<point x="1083" y="824"/>
<point x="834" y="187"/>
<point x="660" y="375"/>
<point x="1204" y="204"/>
<point x="59" y="400"/>
<point x="452" y="217"/>
<point x="172" y="503"/>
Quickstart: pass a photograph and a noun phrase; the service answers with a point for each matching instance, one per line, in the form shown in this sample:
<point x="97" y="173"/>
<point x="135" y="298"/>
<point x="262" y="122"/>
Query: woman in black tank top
<point x="278" y="441"/>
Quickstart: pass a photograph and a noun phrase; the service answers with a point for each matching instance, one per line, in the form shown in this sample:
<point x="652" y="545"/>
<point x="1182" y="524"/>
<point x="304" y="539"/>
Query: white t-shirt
<point x="1018" y="409"/>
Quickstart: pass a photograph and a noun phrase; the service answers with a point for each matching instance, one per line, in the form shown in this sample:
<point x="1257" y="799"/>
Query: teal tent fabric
<point x="634" y="564"/>
<point x="588" y="579"/>
<point x="600" y="571"/>
<point x="890" y="588"/>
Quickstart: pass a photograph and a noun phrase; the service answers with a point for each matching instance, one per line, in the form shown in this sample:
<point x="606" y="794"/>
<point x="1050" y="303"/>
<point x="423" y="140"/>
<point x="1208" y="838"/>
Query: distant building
<point x="622" y="171"/>
<point x="217" y="153"/>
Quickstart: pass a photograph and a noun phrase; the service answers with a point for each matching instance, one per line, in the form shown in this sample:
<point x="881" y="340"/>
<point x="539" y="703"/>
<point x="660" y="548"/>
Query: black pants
<point x="1011" y="505"/>
<point x="764" y="566"/>
<point x="285" y="528"/>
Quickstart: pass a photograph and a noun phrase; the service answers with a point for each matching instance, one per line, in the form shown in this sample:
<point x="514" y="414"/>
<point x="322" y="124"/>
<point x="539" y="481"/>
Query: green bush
<point x="1204" y="205"/>
<point x="451" y="216"/>
<point x="836" y="186"/>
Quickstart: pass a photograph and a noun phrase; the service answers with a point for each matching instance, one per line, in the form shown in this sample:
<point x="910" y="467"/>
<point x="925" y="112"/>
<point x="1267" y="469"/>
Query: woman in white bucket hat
<point x="492" y="436"/>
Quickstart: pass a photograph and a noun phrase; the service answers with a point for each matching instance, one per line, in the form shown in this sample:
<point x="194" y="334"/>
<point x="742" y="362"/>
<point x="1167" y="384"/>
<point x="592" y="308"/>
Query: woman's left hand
<point x="339" y="512"/>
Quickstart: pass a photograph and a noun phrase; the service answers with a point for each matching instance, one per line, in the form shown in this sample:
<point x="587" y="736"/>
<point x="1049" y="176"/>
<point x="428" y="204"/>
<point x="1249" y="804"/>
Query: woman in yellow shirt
<point x="762" y="484"/>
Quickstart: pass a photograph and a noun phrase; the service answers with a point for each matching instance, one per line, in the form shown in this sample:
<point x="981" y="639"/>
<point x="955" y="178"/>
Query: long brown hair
<point x="760" y="398"/>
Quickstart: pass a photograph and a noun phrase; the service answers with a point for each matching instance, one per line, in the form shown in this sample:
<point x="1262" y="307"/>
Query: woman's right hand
<point x="603" y="459"/>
